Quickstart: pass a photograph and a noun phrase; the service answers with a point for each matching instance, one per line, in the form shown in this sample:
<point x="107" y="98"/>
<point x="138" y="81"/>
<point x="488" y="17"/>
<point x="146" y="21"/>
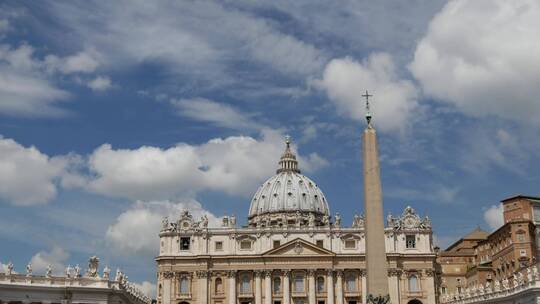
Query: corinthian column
<point x="232" y="287"/>
<point x="258" y="287"/>
<point x="339" y="287"/>
<point x="330" y="287"/>
<point x="311" y="279"/>
<point x="286" y="287"/>
<point x="268" y="287"/>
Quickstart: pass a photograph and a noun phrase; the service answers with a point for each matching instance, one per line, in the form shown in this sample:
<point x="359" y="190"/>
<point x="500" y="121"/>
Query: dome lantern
<point x="288" y="160"/>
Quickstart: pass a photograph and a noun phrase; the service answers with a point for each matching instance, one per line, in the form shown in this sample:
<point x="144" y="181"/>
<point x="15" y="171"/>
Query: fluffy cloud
<point x="462" y="60"/>
<point x="134" y="231"/>
<point x="24" y="90"/>
<point x="345" y="80"/>
<point x="100" y="83"/>
<point x="235" y="165"/>
<point x="494" y="216"/>
<point x="28" y="176"/>
<point x="219" y="114"/>
<point x="56" y="258"/>
<point x="149" y="289"/>
<point x="82" y="62"/>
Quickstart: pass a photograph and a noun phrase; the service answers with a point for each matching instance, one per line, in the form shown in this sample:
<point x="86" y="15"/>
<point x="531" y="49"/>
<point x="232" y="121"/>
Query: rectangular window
<point x="276" y="244"/>
<point x="536" y="211"/>
<point x="410" y="241"/>
<point x="219" y="245"/>
<point x="521" y="237"/>
<point x="298" y="283"/>
<point x="523" y="252"/>
<point x="320" y="243"/>
<point x="245" y="245"/>
<point x="350" y="244"/>
<point x="184" y="243"/>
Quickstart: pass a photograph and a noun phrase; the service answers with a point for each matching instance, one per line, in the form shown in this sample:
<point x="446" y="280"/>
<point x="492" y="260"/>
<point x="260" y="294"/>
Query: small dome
<point x="289" y="192"/>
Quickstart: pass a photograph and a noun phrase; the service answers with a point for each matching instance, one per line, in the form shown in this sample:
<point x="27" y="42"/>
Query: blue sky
<point x="115" y="114"/>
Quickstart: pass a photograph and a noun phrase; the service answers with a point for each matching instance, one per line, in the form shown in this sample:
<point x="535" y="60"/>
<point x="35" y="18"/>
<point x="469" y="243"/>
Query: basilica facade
<point x="292" y="251"/>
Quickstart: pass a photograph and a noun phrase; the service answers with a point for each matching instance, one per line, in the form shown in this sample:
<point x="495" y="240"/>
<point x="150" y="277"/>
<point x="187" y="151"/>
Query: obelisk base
<point x="378" y="299"/>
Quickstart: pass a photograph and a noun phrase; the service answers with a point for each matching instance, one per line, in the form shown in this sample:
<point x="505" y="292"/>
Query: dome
<point x="288" y="194"/>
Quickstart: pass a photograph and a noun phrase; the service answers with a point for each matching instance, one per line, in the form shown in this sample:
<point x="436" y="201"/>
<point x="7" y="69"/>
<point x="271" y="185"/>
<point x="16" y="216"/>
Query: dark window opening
<point x="184" y="243"/>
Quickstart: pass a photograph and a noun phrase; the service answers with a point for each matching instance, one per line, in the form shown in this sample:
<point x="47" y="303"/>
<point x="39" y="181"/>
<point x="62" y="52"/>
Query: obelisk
<point x="376" y="269"/>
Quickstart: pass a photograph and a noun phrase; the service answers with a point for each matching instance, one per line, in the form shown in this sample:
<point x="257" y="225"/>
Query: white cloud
<point x="494" y="216"/>
<point x="134" y="231"/>
<point x="82" y="62"/>
<point x="56" y="258"/>
<point x="27" y="176"/>
<point x="100" y="83"/>
<point x="483" y="57"/>
<point x="345" y="80"/>
<point x="235" y="165"/>
<point x="149" y="289"/>
<point x="184" y="40"/>
<point x="220" y="114"/>
<point x="24" y="91"/>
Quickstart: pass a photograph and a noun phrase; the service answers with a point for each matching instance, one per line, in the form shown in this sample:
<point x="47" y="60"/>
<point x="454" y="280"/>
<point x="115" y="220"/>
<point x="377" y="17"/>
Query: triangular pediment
<point x="298" y="247"/>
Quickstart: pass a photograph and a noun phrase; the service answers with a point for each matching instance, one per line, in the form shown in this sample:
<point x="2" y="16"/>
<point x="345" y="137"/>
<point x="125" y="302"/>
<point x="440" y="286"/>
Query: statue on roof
<point x="29" y="269"/>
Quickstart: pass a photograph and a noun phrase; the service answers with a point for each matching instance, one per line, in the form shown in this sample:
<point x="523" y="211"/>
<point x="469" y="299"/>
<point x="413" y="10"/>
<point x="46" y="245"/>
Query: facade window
<point x="413" y="284"/>
<point x="276" y="244"/>
<point x="320" y="243"/>
<point x="219" y="245"/>
<point x="410" y="241"/>
<point x="299" y="283"/>
<point x="320" y="284"/>
<point x="245" y="286"/>
<point x="536" y="211"/>
<point x="219" y="286"/>
<point x="350" y="244"/>
<point x="443" y="290"/>
<point x="523" y="252"/>
<point x="184" y="286"/>
<point x="277" y="285"/>
<point x="184" y="243"/>
<point x="521" y="237"/>
<point x="160" y="290"/>
<point x="350" y="282"/>
<point x="245" y="245"/>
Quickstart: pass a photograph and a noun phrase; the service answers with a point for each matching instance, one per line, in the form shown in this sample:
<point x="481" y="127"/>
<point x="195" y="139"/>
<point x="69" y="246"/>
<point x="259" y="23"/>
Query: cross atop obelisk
<point x="368" y="112"/>
<point x="376" y="264"/>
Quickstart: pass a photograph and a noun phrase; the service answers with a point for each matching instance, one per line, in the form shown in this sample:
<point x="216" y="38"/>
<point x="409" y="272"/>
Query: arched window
<point x="160" y="290"/>
<point x="277" y="285"/>
<point x="298" y="283"/>
<point x="219" y="286"/>
<point x="184" y="285"/>
<point x="413" y="283"/>
<point x="320" y="284"/>
<point x="245" y="286"/>
<point x="350" y="280"/>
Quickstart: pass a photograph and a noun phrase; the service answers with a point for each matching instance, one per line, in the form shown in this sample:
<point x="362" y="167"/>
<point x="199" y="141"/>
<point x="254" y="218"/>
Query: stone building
<point x="291" y="251"/>
<point x="73" y="287"/>
<point x="483" y="259"/>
